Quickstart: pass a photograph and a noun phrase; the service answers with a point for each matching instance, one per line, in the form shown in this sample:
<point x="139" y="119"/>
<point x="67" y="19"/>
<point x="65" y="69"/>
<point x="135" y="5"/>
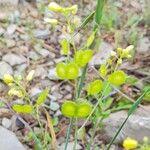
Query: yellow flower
<point x="55" y="7"/>
<point x="129" y="144"/>
<point x="8" y="78"/>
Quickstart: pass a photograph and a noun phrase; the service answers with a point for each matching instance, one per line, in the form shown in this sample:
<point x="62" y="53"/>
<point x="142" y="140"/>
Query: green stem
<point x="76" y="135"/>
<point x="68" y="133"/>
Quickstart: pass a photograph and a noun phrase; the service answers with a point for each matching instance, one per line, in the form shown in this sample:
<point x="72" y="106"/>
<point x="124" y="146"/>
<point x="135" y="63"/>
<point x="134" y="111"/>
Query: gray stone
<point x="33" y="55"/>
<point x="10" y="43"/>
<point x="43" y="52"/>
<point x="9" y="141"/>
<point x="54" y="106"/>
<point x="102" y="55"/>
<point x="137" y="126"/>
<point x="52" y="74"/>
<point x="41" y="34"/>
<point x="21" y="68"/>
<point x="35" y="91"/>
<point x="6" y="123"/>
<point x="14" y="59"/>
<point x="144" y="45"/>
<point x="11" y="29"/>
<point x="5" y="69"/>
<point x="40" y="72"/>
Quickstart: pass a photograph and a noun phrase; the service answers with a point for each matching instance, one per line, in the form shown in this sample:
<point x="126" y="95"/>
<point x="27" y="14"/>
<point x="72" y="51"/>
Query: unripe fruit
<point x="72" y="71"/>
<point x="83" y="110"/>
<point x="68" y="109"/>
<point x="72" y="110"/>
<point x="95" y="87"/>
<point x="83" y="57"/>
<point x="117" y="78"/>
<point x="61" y="70"/>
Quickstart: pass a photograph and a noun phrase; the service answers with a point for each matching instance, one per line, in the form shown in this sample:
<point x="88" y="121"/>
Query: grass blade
<point x="99" y="12"/>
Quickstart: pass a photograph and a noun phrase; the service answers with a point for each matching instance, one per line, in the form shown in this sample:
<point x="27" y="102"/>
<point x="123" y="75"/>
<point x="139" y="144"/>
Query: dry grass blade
<point x="51" y="129"/>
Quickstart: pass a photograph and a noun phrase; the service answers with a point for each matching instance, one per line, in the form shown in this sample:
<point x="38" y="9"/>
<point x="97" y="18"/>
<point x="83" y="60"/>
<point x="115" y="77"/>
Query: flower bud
<point x="55" y="7"/>
<point x="30" y="75"/>
<point x="145" y="139"/>
<point x="113" y="53"/>
<point x="8" y="78"/>
<point x="119" y="50"/>
<point x="119" y="61"/>
<point x="51" y="21"/>
<point x="130" y="48"/>
<point x="74" y="9"/>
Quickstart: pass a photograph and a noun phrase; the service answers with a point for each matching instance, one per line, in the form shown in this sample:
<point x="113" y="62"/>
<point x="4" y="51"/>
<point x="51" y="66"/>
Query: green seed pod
<point x="83" y="110"/>
<point x="61" y="70"/>
<point x="117" y="78"/>
<point x="95" y="87"/>
<point x="68" y="109"/>
<point x="72" y="71"/>
<point x="83" y="57"/>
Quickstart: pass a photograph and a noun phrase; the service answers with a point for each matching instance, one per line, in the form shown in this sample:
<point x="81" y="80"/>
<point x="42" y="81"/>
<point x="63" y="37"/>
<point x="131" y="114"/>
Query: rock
<point x="5" y="112"/>
<point x="5" y="69"/>
<point x="102" y="55"/>
<point x="9" y="140"/>
<point x="35" y="91"/>
<point x="41" y="34"/>
<point x="54" y="106"/>
<point x="57" y="94"/>
<point x="6" y="123"/>
<point x="52" y="74"/>
<point x="10" y="43"/>
<point x="58" y="113"/>
<point x="20" y="69"/>
<point x="2" y="31"/>
<point x="11" y="29"/>
<point x="144" y="45"/>
<point x="70" y="146"/>
<point x="14" y="59"/>
<point x="137" y="127"/>
<point x="44" y="52"/>
<point x="40" y="72"/>
<point x="33" y="55"/>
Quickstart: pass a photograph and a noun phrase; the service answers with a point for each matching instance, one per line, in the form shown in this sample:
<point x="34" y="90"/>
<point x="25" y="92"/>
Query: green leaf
<point x="106" y="89"/>
<point x="147" y="95"/>
<point x="22" y="108"/>
<point x="99" y="11"/>
<point x="90" y="39"/>
<point x="132" y="80"/>
<point x="42" y="97"/>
